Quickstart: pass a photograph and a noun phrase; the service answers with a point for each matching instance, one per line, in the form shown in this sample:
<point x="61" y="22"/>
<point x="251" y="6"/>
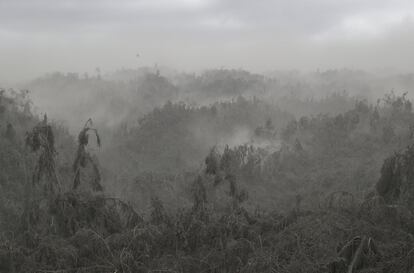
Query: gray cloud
<point x="37" y="36"/>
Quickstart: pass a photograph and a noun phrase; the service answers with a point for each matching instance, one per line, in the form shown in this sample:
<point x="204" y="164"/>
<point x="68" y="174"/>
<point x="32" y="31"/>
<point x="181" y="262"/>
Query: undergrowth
<point x="61" y="220"/>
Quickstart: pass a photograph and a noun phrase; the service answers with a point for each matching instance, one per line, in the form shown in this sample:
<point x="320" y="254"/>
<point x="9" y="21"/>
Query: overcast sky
<point x="39" y="36"/>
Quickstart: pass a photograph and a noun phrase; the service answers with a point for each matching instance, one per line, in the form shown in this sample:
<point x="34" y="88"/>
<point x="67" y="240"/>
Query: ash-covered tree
<point x="41" y="140"/>
<point x="84" y="158"/>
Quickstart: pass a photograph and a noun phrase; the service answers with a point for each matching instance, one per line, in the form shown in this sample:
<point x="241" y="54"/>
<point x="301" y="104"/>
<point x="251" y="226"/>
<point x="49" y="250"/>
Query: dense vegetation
<point x="123" y="95"/>
<point x="234" y="186"/>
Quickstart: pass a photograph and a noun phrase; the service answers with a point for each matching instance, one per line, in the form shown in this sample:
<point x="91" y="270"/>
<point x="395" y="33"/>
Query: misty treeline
<point x="278" y="153"/>
<point x="234" y="183"/>
<point x="125" y="94"/>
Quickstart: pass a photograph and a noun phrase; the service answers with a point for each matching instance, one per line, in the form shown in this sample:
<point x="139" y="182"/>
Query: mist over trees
<point x="122" y="95"/>
<point x="206" y="136"/>
<point x="221" y="171"/>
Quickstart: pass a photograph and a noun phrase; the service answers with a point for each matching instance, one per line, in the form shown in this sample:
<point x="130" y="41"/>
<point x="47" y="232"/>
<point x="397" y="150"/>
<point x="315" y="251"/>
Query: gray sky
<point x="39" y="36"/>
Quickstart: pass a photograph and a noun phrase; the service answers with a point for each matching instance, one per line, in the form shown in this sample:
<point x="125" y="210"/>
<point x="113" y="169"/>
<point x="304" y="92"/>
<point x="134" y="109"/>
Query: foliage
<point x="327" y="160"/>
<point x="42" y="140"/>
<point x="396" y="184"/>
<point x="83" y="157"/>
<point x="176" y="137"/>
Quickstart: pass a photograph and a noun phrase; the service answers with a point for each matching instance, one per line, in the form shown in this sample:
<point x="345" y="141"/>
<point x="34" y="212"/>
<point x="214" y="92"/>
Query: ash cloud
<point x="42" y="36"/>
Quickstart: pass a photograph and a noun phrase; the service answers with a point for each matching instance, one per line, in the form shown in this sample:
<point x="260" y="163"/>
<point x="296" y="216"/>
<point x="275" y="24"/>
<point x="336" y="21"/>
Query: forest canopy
<point x="242" y="181"/>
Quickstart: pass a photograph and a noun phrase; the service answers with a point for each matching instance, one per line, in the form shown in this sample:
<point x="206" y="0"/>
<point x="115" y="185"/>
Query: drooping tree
<point x="83" y="157"/>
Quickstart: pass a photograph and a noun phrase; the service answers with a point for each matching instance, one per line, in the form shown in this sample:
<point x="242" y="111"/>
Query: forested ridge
<point x="206" y="136"/>
<point x="241" y="184"/>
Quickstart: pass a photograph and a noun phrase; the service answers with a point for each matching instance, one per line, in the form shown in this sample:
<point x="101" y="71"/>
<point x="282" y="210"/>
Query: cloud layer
<point x="37" y="36"/>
